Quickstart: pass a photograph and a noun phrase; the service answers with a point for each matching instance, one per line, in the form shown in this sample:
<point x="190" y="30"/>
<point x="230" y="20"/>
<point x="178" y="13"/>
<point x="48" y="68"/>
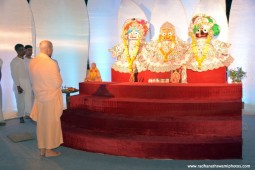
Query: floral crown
<point x="202" y="20"/>
<point x="139" y="25"/>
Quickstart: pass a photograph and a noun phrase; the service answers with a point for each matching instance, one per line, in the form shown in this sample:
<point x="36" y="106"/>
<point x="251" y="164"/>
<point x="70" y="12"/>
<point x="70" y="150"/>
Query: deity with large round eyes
<point x="205" y="52"/>
<point x="167" y="53"/>
<point x="128" y="53"/>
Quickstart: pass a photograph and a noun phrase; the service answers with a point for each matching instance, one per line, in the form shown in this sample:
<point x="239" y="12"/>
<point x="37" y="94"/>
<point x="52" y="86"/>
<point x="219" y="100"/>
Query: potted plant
<point x="237" y="74"/>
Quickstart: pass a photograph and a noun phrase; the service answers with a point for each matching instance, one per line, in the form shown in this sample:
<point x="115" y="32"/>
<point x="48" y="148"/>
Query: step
<point x="134" y="106"/>
<point x="154" y="125"/>
<point x="213" y="91"/>
<point x="154" y="147"/>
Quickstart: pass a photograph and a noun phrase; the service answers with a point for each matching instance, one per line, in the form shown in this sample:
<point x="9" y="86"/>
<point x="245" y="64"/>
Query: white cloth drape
<point x="242" y="36"/>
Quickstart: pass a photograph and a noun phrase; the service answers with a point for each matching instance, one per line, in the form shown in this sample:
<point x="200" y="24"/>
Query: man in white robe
<point x="22" y="86"/>
<point x="48" y="103"/>
<point x="2" y="122"/>
<point x="29" y="96"/>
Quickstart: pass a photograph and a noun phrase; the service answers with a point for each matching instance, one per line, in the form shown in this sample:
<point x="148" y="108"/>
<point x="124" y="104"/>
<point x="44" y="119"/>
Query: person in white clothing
<point x="21" y="83"/>
<point x="2" y="122"/>
<point x="29" y="98"/>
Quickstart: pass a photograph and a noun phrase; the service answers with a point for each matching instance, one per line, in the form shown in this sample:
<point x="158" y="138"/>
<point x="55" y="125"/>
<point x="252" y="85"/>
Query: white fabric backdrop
<point x="242" y="36"/>
<point x="103" y="34"/>
<point x="15" y="27"/>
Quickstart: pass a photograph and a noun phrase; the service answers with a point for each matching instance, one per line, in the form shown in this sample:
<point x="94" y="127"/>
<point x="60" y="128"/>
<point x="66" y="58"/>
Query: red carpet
<point x="173" y="121"/>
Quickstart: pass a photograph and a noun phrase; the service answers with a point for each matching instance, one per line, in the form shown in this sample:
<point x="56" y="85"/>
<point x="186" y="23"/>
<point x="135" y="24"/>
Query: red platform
<point x="172" y="121"/>
<point x="211" y="76"/>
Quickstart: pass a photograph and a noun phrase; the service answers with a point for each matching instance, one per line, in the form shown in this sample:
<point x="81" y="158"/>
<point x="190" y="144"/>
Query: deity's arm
<point x="183" y="45"/>
<point x="182" y="52"/>
<point x="146" y="51"/>
<point x="188" y="55"/>
<point x="117" y="50"/>
<point x="220" y="46"/>
<point x="222" y="50"/>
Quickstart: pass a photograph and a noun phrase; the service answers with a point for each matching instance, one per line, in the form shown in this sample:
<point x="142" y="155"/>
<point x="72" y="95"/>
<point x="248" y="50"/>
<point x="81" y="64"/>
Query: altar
<point x="168" y="99"/>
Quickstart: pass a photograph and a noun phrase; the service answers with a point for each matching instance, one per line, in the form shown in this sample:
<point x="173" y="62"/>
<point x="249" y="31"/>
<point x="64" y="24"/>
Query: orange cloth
<point x="48" y="105"/>
<point x="93" y="75"/>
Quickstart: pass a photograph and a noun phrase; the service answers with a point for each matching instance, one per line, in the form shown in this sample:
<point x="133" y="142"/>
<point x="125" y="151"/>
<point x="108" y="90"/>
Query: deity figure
<point x="128" y="53"/>
<point x="93" y="74"/>
<point x="205" y="52"/>
<point x="167" y="53"/>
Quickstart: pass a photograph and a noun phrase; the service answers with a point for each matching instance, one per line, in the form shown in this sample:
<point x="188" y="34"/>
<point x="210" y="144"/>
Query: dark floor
<point x="24" y="155"/>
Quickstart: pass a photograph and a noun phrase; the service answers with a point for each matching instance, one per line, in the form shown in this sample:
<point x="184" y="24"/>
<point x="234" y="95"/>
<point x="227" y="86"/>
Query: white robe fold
<point x="48" y="103"/>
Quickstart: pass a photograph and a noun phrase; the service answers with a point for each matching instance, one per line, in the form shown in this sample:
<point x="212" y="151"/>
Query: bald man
<point x="48" y="103"/>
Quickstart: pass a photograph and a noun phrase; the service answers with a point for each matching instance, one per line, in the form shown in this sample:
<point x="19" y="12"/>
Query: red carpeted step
<point x="218" y="91"/>
<point x="133" y="106"/>
<point x="179" y="147"/>
<point x="155" y="125"/>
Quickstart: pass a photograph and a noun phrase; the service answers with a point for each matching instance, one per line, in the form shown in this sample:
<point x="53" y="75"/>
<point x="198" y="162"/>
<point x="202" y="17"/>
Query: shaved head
<point x="46" y="47"/>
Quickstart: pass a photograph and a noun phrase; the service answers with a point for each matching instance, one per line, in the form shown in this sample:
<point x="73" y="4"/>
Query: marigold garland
<point x="205" y="51"/>
<point x="130" y="60"/>
<point x="167" y="53"/>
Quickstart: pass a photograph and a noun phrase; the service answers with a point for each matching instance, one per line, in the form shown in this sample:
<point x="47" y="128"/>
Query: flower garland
<point x="167" y="53"/>
<point x="130" y="60"/>
<point x="205" y="51"/>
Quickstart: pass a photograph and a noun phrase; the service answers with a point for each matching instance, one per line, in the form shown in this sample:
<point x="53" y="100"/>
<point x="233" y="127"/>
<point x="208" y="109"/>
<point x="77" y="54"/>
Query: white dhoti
<point x="47" y="114"/>
<point x="20" y="101"/>
<point x="28" y="97"/>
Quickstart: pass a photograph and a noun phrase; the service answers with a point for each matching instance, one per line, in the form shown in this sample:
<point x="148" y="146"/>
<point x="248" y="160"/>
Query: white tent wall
<point x="103" y="34"/>
<point x="242" y="36"/>
<point x="65" y="23"/>
<point x="15" y="27"/>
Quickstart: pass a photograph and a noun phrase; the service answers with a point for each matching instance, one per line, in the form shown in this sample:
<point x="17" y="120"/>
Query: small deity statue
<point x="93" y="74"/>
<point x="205" y="52"/>
<point x="175" y="77"/>
<point x="128" y="53"/>
<point x="167" y="53"/>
